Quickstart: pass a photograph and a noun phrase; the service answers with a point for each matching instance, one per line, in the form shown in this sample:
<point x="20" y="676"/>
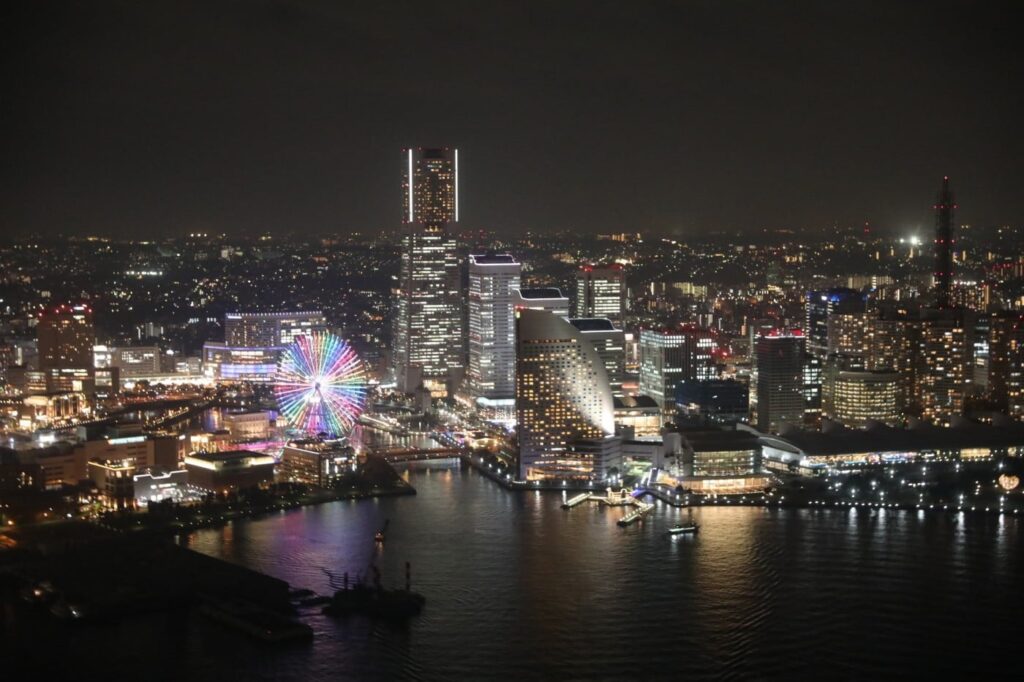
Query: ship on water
<point x="375" y="600"/>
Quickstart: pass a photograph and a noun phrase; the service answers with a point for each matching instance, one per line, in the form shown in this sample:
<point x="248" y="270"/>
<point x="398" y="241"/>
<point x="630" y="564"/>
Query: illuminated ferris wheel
<point x="320" y="385"/>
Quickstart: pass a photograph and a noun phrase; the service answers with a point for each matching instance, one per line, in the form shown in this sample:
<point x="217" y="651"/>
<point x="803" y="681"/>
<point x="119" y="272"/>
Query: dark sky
<point x="150" y="118"/>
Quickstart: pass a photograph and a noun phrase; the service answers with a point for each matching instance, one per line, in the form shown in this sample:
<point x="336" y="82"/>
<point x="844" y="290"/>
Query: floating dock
<point x="579" y="499"/>
<point x="642" y="509"/>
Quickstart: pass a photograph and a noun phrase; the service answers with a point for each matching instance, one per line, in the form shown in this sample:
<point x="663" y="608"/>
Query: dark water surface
<point x="518" y="588"/>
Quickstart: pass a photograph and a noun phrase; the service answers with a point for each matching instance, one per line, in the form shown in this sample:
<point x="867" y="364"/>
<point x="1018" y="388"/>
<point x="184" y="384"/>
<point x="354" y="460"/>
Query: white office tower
<point x="610" y="344"/>
<point x="427" y="339"/>
<point x="564" y="403"/>
<point x="492" y="330"/>
<point x="548" y="299"/>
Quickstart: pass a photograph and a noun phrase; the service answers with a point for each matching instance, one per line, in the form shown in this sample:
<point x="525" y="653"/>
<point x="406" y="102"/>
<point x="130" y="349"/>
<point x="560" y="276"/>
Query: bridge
<point x="398" y="455"/>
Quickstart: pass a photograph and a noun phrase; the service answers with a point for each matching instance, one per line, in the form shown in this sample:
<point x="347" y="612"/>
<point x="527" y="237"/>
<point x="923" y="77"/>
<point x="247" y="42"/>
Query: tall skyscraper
<point x="820" y="307"/>
<point x="776" y="393"/>
<point x="427" y="338"/>
<point x="601" y="292"/>
<point x="492" y="332"/>
<point x="1005" y="349"/>
<point x="847" y="333"/>
<point x="893" y="343"/>
<point x="944" y="244"/>
<point x="66" y="337"/>
<point x="564" y="405"/>
<point x="944" y="369"/>
<point x="610" y="344"/>
<point x="668" y="356"/>
<point x="813" y="375"/>
<point x="1015" y="385"/>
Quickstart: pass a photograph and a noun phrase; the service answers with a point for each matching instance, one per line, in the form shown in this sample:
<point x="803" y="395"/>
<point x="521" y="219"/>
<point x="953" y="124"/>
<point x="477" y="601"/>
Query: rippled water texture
<point x="518" y="588"/>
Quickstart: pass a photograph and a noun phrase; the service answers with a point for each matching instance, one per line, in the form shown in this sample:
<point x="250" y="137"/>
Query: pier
<point x="643" y="508"/>
<point x="578" y="499"/>
<point x="611" y="498"/>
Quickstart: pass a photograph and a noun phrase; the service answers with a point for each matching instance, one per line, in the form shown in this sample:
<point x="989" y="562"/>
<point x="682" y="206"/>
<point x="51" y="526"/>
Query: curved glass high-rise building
<point x="564" y="402"/>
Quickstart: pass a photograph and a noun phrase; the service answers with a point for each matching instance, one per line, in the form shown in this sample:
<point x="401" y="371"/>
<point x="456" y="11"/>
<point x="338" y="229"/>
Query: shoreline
<point x="761" y="499"/>
<point x="220" y="517"/>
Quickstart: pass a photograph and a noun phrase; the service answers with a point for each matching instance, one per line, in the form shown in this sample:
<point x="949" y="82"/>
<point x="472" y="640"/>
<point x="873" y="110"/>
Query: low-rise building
<point x="248" y="425"/>
<point x="639" y="412"/>
<point x="315" y="462"/>
<point x="115" y="482"/>
<point x="226" y="471"/>
<point x="721" y="462"/>
<point x="839" y="448"/>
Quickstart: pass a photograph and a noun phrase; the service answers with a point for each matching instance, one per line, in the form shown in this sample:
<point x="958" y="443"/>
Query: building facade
<point x="427" y="335"/>
<point x="819" y="307"/>
<point x="669" y="356"/>
<point x="262" y="330"/>
<point x="601" y="292"/>
<point x="610" y="344"/>
<point x="776" y="394"/>
<point x="492" y="332"/>
<point x="564" y="403"/>
<point x="857" y="398"/>
<point x="548" y="299"/>
<point x="66" y="337"/>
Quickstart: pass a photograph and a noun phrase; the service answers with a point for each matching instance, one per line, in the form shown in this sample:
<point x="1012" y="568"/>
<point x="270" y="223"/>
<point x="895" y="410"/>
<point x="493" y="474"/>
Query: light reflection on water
<point x="517" y="587"/>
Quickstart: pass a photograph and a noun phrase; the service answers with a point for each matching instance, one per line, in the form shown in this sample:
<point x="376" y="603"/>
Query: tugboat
<point x="379" y="536"/>
<point x="375" y="601"/>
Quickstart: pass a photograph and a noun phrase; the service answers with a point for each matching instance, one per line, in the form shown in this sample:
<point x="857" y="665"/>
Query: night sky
<point x="150" y="118"/>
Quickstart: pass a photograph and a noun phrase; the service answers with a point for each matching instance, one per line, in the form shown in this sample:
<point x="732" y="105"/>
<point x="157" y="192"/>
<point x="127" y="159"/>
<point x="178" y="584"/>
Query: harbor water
<point x="519" y="588"/>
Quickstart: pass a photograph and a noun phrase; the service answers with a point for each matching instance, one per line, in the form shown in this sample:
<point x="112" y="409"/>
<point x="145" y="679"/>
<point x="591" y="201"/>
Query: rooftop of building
<point x="677" y="329"/>
<point x="226" y="456"/>
<point x="493" y="259"/>
<point x="537" y="293"/>
<point x="704" y="439"/>
<point x="271" y="315"/>
<point x="835" y="439"/>
<point x="632" y="401"/>
<point x="593" y="324"/>
<point x="591" y="267"/>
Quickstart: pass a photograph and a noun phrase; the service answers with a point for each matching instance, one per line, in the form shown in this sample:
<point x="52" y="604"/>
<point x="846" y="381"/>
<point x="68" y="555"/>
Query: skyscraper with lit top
<point x="427" y="338"/>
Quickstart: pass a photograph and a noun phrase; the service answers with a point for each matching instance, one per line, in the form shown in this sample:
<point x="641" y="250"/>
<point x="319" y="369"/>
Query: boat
<point x="690" y="529"/>
<point x="375" y="601"/>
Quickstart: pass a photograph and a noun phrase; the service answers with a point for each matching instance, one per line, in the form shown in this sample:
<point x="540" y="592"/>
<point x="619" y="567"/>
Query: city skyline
<point x="520" y="340"/>
<point x="739" y="117"/>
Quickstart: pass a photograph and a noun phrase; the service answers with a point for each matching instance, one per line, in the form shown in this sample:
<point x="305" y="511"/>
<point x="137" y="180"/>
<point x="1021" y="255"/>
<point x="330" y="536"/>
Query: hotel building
<point x="563" y="402"/>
